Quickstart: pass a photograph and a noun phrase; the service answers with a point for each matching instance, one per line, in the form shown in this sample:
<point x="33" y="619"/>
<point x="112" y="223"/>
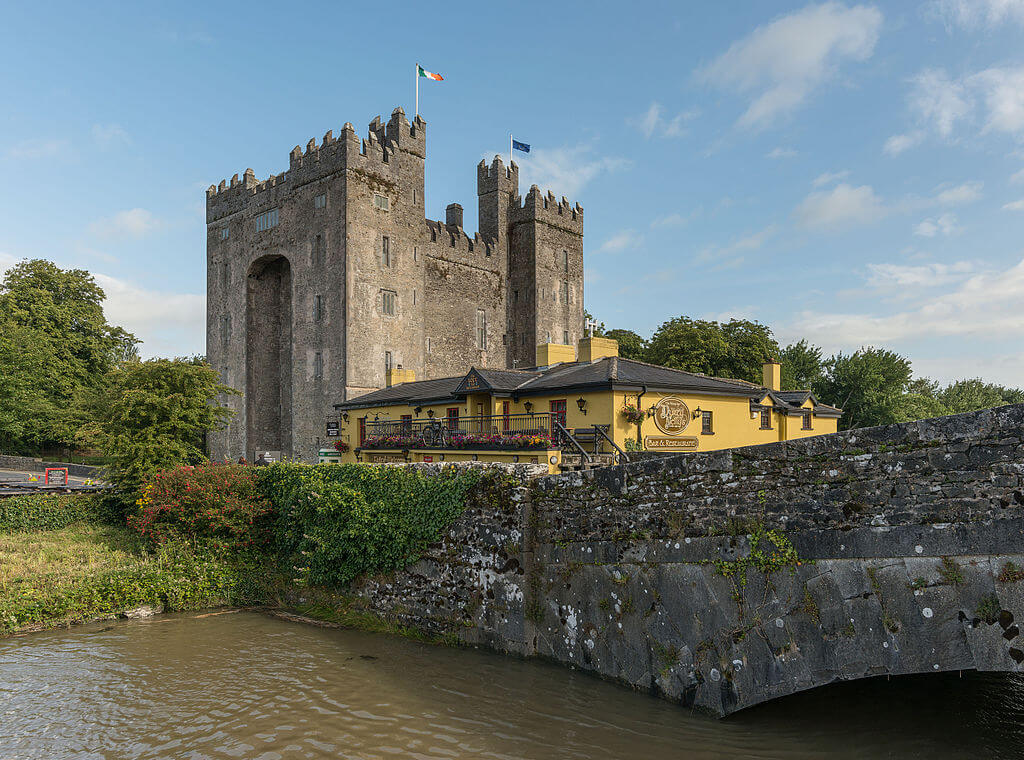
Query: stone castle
<point x="327" y="281"/>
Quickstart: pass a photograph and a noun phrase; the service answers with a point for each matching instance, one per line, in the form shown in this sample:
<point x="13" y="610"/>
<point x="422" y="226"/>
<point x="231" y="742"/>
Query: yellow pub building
<point x="573" y="410"/>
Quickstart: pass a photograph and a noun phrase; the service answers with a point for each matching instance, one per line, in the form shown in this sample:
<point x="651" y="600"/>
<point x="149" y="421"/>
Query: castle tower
<point x="321" y="278"/>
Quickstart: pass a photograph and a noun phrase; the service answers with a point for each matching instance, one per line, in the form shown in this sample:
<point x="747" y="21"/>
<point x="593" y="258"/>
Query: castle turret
<point x="496" y="187"/>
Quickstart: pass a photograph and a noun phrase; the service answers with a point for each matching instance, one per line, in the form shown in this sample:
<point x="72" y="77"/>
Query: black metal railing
<point x="499" y="431"/>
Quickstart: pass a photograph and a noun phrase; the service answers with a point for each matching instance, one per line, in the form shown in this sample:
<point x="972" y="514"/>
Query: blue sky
<point x="849" y="173"/>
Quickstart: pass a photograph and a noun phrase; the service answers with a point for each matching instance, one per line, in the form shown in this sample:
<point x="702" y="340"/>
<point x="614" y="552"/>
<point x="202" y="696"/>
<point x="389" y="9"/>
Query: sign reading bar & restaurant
<point x="663" y="443"/>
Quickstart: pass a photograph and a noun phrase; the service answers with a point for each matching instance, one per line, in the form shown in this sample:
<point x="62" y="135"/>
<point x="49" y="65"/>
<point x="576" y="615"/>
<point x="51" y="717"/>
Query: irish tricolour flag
<point x="428" y="74"/>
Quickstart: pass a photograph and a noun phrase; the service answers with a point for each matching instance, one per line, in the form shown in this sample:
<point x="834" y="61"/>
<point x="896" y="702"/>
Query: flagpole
<point x="417" y="75"/>
<point x="509" y="150"/>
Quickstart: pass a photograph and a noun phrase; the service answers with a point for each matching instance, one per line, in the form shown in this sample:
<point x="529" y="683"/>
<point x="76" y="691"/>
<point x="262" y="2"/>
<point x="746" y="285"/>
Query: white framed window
<point x="318" y="364"/>
<point x="266" y="220"/>
<point x="481" y="329"/>
<point x="387" y="302"/>
<point x="320" y="201"/>
<point x="224" y="233"/>
<point x="318" y="308"/>
<point x="382" y="202"/>
<point x="389" y="361"/>
<point x="385" y="251"/>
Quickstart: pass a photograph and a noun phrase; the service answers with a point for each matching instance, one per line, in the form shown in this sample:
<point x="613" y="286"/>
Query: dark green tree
<point x="802" y="366"/>
<point x="58" y="344"/>
<point x="631" y="345"/>
<point x="973" y="394"/>
<point x="153" y="414"/>
<point x="869" y="385"/>
<point x="736" y="349"/>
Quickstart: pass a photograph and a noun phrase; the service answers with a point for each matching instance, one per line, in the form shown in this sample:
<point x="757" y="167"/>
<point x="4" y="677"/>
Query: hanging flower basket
<point x="634" y="415"/>
<point x="341" y="447"/>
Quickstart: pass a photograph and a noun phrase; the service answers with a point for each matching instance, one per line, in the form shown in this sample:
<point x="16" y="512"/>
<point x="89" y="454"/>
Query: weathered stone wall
<point x="895" y="550"/>
<point x="31" y="464"/>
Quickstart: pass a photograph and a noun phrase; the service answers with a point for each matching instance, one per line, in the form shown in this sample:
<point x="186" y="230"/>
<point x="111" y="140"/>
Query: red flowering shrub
<point x="219" y="505"/>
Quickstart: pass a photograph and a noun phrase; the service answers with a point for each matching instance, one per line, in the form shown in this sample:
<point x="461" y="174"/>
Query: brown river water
<point x="241" y="685"/>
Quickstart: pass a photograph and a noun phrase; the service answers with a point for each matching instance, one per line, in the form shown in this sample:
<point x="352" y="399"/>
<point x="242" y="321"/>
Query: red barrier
<point x="56" y="469"/>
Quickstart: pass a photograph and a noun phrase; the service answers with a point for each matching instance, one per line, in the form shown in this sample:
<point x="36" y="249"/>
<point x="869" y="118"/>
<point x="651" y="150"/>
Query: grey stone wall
<point x="31" y="464"/>
<point x="908" y="557"/>
<point x="325" y="340"/>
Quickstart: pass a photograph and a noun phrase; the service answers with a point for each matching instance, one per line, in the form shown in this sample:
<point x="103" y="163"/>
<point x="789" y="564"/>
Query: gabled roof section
<point x="493" y="380"/>
<point x="419" y="391"/>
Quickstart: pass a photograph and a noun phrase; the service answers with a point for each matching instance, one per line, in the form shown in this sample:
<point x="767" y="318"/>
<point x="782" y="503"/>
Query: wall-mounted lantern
<point x="697" y="412"/>
<point x="344" y="416"/>
<point x="528" y="406"/>
<point x="417" y="410"/>
<point x="582" y="404"/>
<point x="430" y="413"/>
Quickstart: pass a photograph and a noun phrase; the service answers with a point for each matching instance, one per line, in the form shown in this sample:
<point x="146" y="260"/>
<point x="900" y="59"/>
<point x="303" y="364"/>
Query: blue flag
<point x="516" y="145"/>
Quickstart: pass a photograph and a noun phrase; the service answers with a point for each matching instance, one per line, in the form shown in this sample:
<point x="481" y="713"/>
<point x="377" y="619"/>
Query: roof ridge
<point x="695" y="374"/>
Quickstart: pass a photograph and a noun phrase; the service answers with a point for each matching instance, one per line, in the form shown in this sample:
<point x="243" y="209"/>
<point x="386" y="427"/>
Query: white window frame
<point x="381" y="202"/>
<point x="388" y="302"/>
<point x="320" y="201"/>
<point x="481" y="329"/>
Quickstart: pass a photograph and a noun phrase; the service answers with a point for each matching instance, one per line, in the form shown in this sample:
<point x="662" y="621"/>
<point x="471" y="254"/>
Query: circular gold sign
<point x="671" y="415"/>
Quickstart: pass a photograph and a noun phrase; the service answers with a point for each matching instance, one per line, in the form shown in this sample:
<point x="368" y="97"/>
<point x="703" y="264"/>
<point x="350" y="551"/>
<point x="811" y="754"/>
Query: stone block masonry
<point x="322" y="276"/>
<point x="726" y="579"/>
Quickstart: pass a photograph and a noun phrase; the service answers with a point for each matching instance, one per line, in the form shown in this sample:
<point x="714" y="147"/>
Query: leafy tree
<point x="736" y="349"/>
<point x="969" y="395"/>
<point x="802" y="366"/>
<point x="869" y="385"/>
<point x="631" y="345"/>
<point x="153" y="415"/>
<point x="57" y="344"/>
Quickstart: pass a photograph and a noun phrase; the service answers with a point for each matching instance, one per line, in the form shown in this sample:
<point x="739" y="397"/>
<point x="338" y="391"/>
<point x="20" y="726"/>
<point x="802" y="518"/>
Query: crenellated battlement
<point x="385" y="143"/>
<point x="538" y="206"/>
<point x="497" y="176"/>
<point x="451" y="238"/>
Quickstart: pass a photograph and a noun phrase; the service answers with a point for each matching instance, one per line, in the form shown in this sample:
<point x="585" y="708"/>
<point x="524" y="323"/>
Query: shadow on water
<point x="243" y="685"/>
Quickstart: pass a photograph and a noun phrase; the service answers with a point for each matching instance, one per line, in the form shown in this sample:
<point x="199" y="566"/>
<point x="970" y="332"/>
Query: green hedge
<point x="47" y="512"/>
<point x="337" y="522"/>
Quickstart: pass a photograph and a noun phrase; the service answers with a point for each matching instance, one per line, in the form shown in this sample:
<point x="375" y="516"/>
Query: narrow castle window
<point x="266" y="220"/>
<point x="565" y="337"/>
<point x="415" y="255"/>
<point x="565" y="292"/>
<point x="382" y="202"/>
<point x="414" y="296"/>
<point x="318" y="308"/>
<point x="515" y="296"/>
<point x="385" y="156"/>
<point x="428" y="345"/>
<point x="388" y="298"/>
<point x="316" y="257"/>
<point x="388" y="361"/>
<point x="318" y="365"/>
<point x="415" y="196"/>
<point x="481" y="329"/>
<point x="565" y="260"/>
<point x="320" y="201"/>
<point x="224" y="233"/>
<point x="385" y="251"/>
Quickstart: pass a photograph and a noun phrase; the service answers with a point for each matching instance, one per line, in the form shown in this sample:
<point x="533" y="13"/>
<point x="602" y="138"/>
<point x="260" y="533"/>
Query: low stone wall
<point x="31" y="464"/>
<point x="897" y="549"/>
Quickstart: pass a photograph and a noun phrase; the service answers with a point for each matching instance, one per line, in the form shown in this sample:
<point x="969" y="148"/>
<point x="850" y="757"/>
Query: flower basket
<point x="635" y="415"/>
<point x="341" y="447"/>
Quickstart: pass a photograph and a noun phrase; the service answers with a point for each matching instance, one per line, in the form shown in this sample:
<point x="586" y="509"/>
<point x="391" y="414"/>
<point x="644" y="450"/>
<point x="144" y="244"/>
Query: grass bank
<point x="60" y="564"/>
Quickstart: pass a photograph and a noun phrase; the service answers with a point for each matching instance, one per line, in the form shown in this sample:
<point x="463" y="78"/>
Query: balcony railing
<point x="510" y="431"/>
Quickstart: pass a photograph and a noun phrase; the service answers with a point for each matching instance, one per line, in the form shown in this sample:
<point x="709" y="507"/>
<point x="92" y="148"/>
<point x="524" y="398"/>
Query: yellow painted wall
<point x="733" y="424"/>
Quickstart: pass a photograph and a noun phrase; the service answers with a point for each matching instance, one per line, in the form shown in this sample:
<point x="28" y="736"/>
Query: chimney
<point x="592" y="349"/>
<point x="554" y="353"/>
<point x="772" y="375"/>
<point x="397" y="376"/>
<point x="453" y="215"/>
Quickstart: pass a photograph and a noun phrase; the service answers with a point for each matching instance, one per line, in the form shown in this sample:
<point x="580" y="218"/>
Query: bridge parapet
<point x="726" y="579"/>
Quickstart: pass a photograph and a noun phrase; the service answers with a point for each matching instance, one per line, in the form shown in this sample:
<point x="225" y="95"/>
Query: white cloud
<point x="944" y="225"/>
<point x="1015" y="205"/>
<point x="905" y="278"/>
<point x="620" y="241"/>
<point x="968" y="192"/>
<point x="1017" y="177"/>
<point x="6" y="262"/>
<point x="829" y="177"/>
<point x="780" y="152"/>
<point x="733" y="255"/>
<point x="985" y="305"/>
<point x="39" y="148"/>
<point x="781" y="63"/>
<point x="108" y="135"/>
<point x="899" y="143"/>
<point x="991" y="100"/>
<point x="565" y="170"/>
<point x="167" y="323"/>
<point x="674" y="219"/>
<point x="843" y="205"/>
<point x="654" y="122"/>
<point x="972" y="14"/>
<point x="133" y="223"/>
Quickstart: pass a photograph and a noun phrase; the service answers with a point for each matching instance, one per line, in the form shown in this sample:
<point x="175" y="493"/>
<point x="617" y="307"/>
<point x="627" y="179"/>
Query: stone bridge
<point x="727" y="579"/>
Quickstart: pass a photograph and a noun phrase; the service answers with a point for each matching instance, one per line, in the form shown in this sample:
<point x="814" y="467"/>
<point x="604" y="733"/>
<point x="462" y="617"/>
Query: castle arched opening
<point x="268" y="341"/>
